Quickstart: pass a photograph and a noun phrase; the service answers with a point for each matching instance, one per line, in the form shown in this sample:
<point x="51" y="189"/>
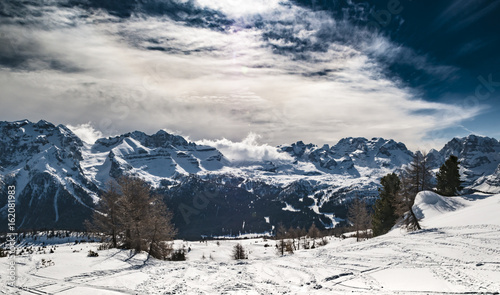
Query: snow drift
<point x="435" y="210"/>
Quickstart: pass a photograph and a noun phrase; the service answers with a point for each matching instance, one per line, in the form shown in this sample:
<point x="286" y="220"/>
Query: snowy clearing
<point x="457" y="252"/>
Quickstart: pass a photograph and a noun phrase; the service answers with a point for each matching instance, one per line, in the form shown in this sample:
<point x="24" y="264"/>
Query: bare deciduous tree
<point x="283" y="245"/>
<point x="359" y="217"/>
<point x="106" y="217"/>
<point x="313" y="233"/>
<point x="134" y="218"/>
<point x="414" y="179"/>
<point x="406" y="199"/>
<point x="239" y="252"/>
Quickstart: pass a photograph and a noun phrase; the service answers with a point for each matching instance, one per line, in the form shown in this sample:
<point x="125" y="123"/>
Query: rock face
<point x="43" y="162"/>
<point x="58" y="177"/>
<point x="479" y="161"/>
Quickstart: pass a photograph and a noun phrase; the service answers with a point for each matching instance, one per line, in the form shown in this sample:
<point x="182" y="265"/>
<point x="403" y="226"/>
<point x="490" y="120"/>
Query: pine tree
<point x="384" y="216"/>
<point x="448" y="177"/>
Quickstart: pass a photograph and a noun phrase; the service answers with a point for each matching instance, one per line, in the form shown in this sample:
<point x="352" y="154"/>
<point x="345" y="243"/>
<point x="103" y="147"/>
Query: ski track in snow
<point x="460" y="259"/>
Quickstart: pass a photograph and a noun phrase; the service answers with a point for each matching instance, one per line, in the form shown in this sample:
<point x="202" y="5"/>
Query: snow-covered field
<point x="457" y="252"/>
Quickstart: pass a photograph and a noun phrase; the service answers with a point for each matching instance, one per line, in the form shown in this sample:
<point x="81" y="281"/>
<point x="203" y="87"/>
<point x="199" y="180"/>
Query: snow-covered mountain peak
<point x="55" y="171"/>
<point x="470" y="144"/>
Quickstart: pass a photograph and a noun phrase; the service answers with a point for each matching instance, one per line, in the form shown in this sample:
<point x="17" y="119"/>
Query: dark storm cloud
<point x="177" y="10"/>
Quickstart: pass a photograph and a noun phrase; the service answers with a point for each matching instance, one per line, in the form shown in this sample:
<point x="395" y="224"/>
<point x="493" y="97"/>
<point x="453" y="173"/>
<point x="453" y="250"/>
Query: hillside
<point x="456" y="252"/>
<point x="58" y="177"/>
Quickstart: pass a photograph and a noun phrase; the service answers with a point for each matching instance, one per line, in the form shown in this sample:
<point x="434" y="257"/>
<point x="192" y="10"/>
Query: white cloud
<point x="247" y="150"/>
<point x="210" y="84"/>
<point x="86" y="132"/>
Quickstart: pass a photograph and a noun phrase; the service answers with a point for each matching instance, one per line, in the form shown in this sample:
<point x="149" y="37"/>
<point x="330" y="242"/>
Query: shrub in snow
<point x="178" y="255"/>
<point x="239" y="252"/>
<point x="92" y="254"/>
<point x="284" y="246"/>
<point x="323" y="242"/>
<point x="104" y="246"/>
<point x="45" y="263"/>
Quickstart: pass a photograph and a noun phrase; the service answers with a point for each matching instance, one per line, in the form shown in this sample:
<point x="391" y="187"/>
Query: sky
<point x="261" y="72"/>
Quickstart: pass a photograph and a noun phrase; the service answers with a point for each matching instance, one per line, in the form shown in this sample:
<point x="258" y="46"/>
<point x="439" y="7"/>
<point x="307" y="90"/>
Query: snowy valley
<point x="456" y="252"/>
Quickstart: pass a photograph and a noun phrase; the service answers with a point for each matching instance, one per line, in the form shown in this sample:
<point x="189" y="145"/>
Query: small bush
<point x="289" y="247"/>
<point x="239" y="252"/>
<point x="178" y="255"/>
<point x="323" y="242"/>
<point x="284" y="246"/>
<point x="92" y="254"/>
<point x="104" y="246"/>
<point x="161" y="250"/>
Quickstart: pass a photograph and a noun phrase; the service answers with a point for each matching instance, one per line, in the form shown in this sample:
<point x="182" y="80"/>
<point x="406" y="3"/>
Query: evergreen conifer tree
<point x="448" y="177"/>
<point x="384" y="216"/>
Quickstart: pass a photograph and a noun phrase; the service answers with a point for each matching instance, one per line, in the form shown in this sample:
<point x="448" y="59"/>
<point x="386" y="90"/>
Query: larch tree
<point x="415" y="178"/>
<point x="159" y="229"/>
<point x="405" y="200"/>
<point x="418" y="172"/>
<point x="135" y="211"/>
<point x="134" y="218"/>
<point x="359" y="217"/>
<point x="239" y="252"/>
<point x="313" y="233"/>
<point x="106" y="217"/>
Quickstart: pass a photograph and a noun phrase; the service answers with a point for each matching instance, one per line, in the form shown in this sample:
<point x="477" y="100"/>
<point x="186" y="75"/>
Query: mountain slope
<point x="479" y="161"/>
<point x="58" y="177"/>
<point x="43" y="162"/>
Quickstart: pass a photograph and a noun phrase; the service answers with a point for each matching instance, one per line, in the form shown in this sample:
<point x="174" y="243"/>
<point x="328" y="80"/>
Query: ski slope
<point x="456" y="252"/>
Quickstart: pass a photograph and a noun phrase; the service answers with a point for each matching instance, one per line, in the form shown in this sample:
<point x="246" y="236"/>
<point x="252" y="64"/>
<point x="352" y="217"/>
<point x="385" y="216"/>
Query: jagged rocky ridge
<point x="58" y="177"/>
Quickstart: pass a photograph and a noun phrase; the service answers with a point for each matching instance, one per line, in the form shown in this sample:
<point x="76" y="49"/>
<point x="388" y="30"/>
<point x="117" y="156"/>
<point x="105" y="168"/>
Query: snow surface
<point x="456" y="252"/>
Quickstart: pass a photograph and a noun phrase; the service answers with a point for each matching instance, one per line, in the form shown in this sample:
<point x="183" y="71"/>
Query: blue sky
<point x="273" y="71"/>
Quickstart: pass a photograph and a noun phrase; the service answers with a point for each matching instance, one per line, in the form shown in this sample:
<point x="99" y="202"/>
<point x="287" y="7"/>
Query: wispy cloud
<point x="461" y="14"/>
<point x="275" y="69"/>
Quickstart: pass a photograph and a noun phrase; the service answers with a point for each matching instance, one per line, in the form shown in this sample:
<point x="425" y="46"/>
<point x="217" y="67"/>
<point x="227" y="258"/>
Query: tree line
<point x="397" y="196"/>
<point x="130" y="216"/>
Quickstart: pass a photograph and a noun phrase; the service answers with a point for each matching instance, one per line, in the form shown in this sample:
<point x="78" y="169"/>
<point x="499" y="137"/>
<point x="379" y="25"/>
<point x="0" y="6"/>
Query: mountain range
<point x="59" y="177"/>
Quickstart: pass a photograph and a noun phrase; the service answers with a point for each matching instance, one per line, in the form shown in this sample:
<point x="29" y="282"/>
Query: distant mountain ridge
<point x="58" y="177"/>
